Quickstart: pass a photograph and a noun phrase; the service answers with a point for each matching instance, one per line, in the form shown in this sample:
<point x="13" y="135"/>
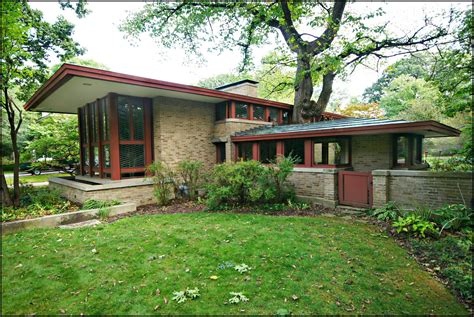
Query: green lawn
<point x="329" y="266"/>
<point x="35" y="179"/>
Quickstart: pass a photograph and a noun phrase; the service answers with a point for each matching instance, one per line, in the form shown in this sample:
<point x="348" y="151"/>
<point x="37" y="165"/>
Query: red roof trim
<point x="387" y="128"/>
<point x="67" y="71"/>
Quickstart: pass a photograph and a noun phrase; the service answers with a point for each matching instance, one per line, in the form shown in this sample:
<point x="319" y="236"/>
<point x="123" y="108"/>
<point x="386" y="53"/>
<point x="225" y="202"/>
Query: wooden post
<point x="81" y="149"/>
<point x="250" y="112"/>
<point x="232" y="109"/>
<point x="114" y="138"/>
<point x="307" y="153"/>
<point x="280" y="148"/>
<point x="255" y="151"/>
<point x="100" y="128"/>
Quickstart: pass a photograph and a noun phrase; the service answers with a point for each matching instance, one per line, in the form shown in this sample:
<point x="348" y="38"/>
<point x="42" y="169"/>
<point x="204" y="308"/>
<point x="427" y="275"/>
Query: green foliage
<point x="242" y="268"/>
<point x="453" y="255"/>
<point x="247" y="182"/>
<point x="453" y="164"/>
<point x="103" y="213"/>
<point x="414" y="225"/>
<point x="191" y="173"/>
<point x="453" y="217"/>
<point x="182" y="296"/>
<point x="99" y="204"/>
<point x="237" y="297"/>
<point x="164" y="182"/>
<point x="388" y="212"/>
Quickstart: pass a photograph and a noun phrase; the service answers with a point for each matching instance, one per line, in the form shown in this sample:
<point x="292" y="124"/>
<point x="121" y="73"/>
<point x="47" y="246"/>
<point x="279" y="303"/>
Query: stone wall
<point x="316" y="185"/>
<point x="183" y="130"/>
<point x="421" y="188"/>
<point x="371" y="152"/>
<point x="225" y="128"/>
<point x="247" y="89"/>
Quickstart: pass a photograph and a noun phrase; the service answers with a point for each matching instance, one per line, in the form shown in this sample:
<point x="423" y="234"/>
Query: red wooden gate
<point x="355" y="188"/>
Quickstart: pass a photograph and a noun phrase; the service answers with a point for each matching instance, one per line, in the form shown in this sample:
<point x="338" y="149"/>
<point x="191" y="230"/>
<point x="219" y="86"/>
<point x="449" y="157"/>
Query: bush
<point x="191" y="174"/>
<point x="453" y="164"/>
<point x="164" y="182"/>
<point x="388" y="212"/>
<point x="99" y="204"/>
<point x="414" y="225"/>
<point x="247" y="182"/>
<point x="453" y="217"/>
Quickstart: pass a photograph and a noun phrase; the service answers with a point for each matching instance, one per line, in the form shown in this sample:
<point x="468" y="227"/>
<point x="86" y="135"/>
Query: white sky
<point x="98" y="33"/>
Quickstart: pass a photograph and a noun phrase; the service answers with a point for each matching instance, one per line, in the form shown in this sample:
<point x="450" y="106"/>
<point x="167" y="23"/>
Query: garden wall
<point x="421" y="188"/>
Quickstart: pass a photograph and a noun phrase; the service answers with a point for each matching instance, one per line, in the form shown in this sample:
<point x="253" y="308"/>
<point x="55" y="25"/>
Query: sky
<point x="98" y="33"/>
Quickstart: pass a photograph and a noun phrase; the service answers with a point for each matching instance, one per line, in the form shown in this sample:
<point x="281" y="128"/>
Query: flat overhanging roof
<point x="345" y="127"/>
<point x="72" y="86"/>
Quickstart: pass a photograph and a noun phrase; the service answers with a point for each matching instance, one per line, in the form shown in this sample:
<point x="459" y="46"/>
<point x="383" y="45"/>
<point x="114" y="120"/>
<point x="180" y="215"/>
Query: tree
<point x="81" y="61"/>
<point x="221" y="79"/>
<point x="27" y="43"/>
<point x="359" y="109"/>
<point x="334" y="40"/>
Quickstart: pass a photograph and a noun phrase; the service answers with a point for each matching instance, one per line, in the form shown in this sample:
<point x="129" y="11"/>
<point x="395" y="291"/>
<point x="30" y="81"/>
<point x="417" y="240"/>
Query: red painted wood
<point x="255" y="152"/>
<point x="267" y="114"/>
<point x="100" y="128"/>
<point x="250" y="112"/>
<point x="308" y="153"/>
<point x="114" y="138"/>
<point x="89" y="129"/>
<point x="280" y="116"/>
<point x="355" y="188"/>
<point x="232" y="109"/>
<point x="280" y="148"/>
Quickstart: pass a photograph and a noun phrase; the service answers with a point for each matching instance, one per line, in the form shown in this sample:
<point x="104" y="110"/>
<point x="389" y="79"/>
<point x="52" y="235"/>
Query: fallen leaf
<point x="294" y="297"/>
<point x="157" y="292"/>
<point x="18" y="266"/>
<point x="156" y="307"/>
<point x="165" y="300"/>
<point x="214" y="277"/>
<point x="94" y="251"/>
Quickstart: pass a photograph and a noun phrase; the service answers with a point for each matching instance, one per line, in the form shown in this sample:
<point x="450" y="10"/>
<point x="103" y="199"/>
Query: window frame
<point x="304" y="158"/>
<point x="326" y="151"/>
<point x="414" y="151"/>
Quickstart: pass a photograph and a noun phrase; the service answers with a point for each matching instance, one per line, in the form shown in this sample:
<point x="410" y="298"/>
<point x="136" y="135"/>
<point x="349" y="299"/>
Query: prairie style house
<point x="126" y="122"/>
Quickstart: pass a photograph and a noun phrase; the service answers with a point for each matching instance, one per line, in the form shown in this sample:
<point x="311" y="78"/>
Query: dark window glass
<point x="105" y="119"/>
<point x="273" y="115"/>
<point x="241" y="110"/>
<point x="85" y="150"/>
<point x="95" y="150"/>
<point x="245" y="151"/>
<point x="84" y="129"/>
<point x="124" y="118"/>
<point x="285" y="117"/>
<point x="259" y="113"/>
<point x="402" y="150"/>
<point x="132" y="155"/>
<point x="418" y="149"/>
<point x="331" y="151"/>
<point x="295" y="149"/>
<point x="267" y="151"/>
<point x="94" y="118"/>
<point x="138" y="122"/>
<point x="220" y="148"/>
<point x="221" y="111"/>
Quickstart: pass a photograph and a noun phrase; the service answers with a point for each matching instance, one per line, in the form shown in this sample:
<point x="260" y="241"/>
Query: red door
<point x="355" y="189"/>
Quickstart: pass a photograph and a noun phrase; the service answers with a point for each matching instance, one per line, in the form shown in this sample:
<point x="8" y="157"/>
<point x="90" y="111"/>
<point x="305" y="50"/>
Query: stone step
<point x="88" y="223"/>
<point x="351" y="210"/>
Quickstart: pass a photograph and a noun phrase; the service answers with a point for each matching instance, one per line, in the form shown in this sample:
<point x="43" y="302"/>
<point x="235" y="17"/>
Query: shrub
<point x="164" y="182"/>
<point x="453" y="217"/>
<point x="414" y="225"/>
<point x="388" y="212"/>
<point x="99" y="204"/>
<point x="191" y="174"/>
<point x="103" y="213"/>
<point x="453" y="164"/>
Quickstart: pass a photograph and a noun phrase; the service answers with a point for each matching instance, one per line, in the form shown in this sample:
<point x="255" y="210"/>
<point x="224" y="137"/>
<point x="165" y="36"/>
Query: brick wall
<point x="316" y="185"/>
<point x="421" y="188"/>
<point x="371" y="152"/>
<point x="183" y="130"/>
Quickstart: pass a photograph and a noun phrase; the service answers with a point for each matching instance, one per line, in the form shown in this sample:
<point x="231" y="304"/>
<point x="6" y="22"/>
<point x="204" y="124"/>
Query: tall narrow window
<point x="221" y="111"/>
<point x="258" y="113"/>
<point x="295" y="149"/>
<point x="267" y="151"/>
<point x="402" y="150"/>
<point x="245" y="151"/>
<point x="272" y="114"/>
<point x="285" y="117"/>
<point x="332" y="151"/>
<point x="220" y="152"/>
<point x="241" y="110"/>
<point x="408" y="150"/>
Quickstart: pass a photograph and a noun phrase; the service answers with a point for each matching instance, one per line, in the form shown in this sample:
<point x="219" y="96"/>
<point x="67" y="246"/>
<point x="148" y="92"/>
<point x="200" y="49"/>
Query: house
<point x="126" y="122"/>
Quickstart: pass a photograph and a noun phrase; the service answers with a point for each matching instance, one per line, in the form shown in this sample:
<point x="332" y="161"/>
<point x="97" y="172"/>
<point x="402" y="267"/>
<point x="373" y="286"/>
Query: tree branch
<point x="320" y="44"/>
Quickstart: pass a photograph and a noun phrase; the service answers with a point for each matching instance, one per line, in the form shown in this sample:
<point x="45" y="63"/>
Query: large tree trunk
<point x="303" y="88"/>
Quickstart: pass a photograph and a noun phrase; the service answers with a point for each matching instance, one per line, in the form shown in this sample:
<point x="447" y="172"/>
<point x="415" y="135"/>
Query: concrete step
<point x="88" y="223"/>
<point x="351" y="210"/>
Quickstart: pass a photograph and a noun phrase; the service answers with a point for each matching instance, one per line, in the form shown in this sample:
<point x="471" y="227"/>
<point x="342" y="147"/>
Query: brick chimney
<point x="245" y="87"/>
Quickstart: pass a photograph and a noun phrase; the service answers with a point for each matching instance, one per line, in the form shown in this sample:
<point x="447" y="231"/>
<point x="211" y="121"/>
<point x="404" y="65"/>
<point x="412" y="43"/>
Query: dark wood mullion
<point x="114" y="138"/>
<point x="100" y="134"/>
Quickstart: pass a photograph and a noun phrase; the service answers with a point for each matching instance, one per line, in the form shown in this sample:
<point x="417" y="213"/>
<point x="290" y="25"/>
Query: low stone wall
<point x="138" y="191"/>
<point x="410" y="189"/>
<point x="318" y="185"/>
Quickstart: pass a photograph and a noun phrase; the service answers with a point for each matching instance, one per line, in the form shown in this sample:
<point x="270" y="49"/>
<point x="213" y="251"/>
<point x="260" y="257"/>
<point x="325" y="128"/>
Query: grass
<point x="36" y="179"/>
<point x="328" y="265"/>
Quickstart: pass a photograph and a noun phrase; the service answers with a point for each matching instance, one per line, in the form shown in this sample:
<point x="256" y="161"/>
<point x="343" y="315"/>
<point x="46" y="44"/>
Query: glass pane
<point x="105" y="119"/>
<point x="221" y="157"/>
<point x="418" y="150"/>
<point x="333" y="150"/>
<point x="86" y="125"/>
<point x="96" y="156"/>
<point x="402" y="150"/>
<point x="138" y="122"/>
<point x="124" y="118"/>
<point x="286" y="117"/>
<point x="94" y="130"/>
<point x="245" y="151"/>
<point x="241" y="110"/>
<point x="85" y="150"/>
<point x="258" y="113"/>
<point x="273" y="115"/>
<point x="106" y="154"/>
<point x="295" y="148"/>
<point x="221" y="111"/>
<point x="267" y="152"/>
<point x="132" y="155"/>
<point x="318" y="153"/>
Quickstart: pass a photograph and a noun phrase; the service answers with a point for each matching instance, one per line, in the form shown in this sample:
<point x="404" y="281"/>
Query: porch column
<point x="114" y="138"/>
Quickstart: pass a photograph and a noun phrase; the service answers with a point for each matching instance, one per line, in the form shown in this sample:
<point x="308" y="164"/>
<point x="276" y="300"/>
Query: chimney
<point x="245" y="87"/>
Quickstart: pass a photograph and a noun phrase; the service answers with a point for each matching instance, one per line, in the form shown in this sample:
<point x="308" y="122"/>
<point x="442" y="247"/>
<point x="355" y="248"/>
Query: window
<point x="258" y="113"/>
<point x="245" y="151"/>
<point x="241" y="110"/>
<point x="267" y="151"/>
<point x="331" y="151"/>
<point x="221" y="111"/>
<point x="272" y="114"/>
<point x="295" y="149"/>
<point x="220" y="152"/>
<point x="285" y="117"/>
<point x="408" y="150"/>
<point x="105" y="119"/>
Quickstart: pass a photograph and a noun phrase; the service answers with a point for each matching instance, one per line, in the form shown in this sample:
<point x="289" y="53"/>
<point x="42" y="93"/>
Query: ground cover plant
<point x="298" y="265"/>
<point x="37" y="202"/>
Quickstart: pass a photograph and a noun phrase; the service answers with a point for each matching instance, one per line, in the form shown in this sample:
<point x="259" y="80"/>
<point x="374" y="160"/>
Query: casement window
<point x="331" y="151"/>
<point x="241" y="110"/>
<point x="221" y="111"/>
<point x="220" y="152"/>
<point x="273" y="114"/>
<point x="285" y="117"/>
<point x="267" y="151"/>
<point x="258" y="113"/>
<point x="407" y="150"/>
<point x="295" y="149"/>
<point x="245" y="151"/>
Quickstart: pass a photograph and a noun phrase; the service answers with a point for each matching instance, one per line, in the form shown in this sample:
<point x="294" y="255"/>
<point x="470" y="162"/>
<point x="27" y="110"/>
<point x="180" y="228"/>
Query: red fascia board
<point x="388" y="128"/>
<point x="66" y="71"/>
